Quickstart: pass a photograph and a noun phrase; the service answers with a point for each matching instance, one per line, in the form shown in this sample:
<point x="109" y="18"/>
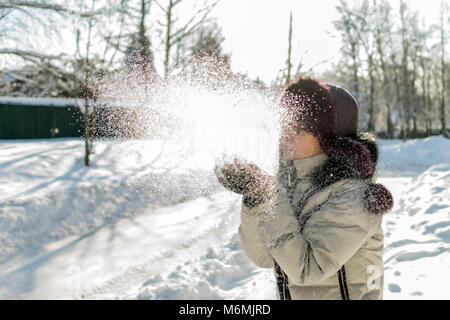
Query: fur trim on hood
<point x="377" y="198"/>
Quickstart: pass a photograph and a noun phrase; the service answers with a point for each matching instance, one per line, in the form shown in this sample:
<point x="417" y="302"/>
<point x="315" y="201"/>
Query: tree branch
<point x="30" y="54"/>
<point x="12" y="4"/>
<point x="187" y="29"/>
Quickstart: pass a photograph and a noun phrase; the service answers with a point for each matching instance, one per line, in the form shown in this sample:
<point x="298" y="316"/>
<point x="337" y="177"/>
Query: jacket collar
<point x="306" y="165"/>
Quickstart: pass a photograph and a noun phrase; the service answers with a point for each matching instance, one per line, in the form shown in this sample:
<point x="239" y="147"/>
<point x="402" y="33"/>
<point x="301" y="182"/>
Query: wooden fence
<point x="32" y="118"/>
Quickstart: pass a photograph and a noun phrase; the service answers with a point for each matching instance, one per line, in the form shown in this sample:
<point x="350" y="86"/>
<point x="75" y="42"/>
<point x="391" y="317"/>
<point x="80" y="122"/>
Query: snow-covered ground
<point x="149" y="221"/>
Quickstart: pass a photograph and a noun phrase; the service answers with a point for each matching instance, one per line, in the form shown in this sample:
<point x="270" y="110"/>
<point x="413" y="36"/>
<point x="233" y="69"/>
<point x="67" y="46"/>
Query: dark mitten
<point x="246" y="179"/>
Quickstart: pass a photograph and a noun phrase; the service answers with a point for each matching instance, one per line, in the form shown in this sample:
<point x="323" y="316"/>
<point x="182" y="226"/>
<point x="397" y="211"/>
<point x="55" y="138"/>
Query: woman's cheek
<point x="287" y="145"/>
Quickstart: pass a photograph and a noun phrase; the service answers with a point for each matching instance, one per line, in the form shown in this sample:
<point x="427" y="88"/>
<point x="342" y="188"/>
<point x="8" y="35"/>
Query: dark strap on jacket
<point x="282" y="282"/>
<point x="343" y="284"/>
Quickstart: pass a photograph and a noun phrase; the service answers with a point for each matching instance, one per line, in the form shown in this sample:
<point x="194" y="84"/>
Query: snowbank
<point x="411" y="157"/>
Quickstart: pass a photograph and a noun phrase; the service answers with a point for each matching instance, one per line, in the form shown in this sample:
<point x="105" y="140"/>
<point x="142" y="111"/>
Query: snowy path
<point x="171" y="249"/>
<point x="186" y="246"/>
<point x="126" y="251"/>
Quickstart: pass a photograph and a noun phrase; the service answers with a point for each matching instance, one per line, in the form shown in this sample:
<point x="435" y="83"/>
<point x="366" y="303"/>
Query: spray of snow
<point x="201" y="106"/>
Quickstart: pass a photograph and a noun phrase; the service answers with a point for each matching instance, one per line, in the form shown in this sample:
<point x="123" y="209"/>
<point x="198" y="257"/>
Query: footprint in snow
<point x="435" y="208"/>
<point x="394" y="288"/>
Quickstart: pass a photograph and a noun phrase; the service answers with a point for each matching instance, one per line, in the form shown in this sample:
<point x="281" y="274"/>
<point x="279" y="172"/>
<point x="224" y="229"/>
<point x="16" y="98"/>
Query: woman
<point x="318" y="223"/>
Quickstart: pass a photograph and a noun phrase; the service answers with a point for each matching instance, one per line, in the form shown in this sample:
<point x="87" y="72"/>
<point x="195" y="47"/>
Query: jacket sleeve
<point x="252" y="239"/>
<point x="313" y="250"/>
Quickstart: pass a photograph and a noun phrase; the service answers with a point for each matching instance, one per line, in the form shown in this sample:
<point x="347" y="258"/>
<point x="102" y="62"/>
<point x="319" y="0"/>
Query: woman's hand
<point x="247" y="179"/>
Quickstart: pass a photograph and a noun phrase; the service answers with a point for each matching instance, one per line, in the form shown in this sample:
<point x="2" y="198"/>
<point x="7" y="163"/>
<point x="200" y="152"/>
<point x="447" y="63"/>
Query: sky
<point x="256" y="32"/>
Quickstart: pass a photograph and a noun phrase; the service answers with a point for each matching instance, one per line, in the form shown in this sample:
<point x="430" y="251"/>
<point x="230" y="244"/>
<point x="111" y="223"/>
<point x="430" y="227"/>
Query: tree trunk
<point x="289" y="64"/>
<point x="168" y="39"/>
<point x="443" y="85"/>
<point x="371" y="123"/>
<point x="389" y="125"/>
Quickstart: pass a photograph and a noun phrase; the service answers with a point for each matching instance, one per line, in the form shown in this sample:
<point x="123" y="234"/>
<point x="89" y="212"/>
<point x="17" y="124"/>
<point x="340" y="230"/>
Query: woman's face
<point x="297" y="144"/>
<point x="289" y="140"/>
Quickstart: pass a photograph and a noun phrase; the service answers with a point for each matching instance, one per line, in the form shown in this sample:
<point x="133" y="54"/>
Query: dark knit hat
<point x="329" y="113"/>
<point x="346" y="111"/>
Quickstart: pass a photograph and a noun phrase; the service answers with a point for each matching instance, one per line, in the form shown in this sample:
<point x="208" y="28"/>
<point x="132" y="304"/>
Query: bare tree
<point x="442" y="31"/>
<point x="396" y="63"/>
<point x="173" y="34"/>
<point x="288" y="61"/>
<point x="351" y="47"/>
<point x="206" y="40"/>
<point x="288" y="72"/>
<point x="139" y="52"/>
<point x="358" y="20"/>
<point x="38" y="71"/>
<point x="87" y="91"/>
<point x="424" y="72"/>
<point x="383" y="41"/>
<point x="404" y="66"/>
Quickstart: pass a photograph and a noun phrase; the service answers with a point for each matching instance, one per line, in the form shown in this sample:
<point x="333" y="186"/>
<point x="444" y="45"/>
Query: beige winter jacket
<point x="308" y="249"/>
